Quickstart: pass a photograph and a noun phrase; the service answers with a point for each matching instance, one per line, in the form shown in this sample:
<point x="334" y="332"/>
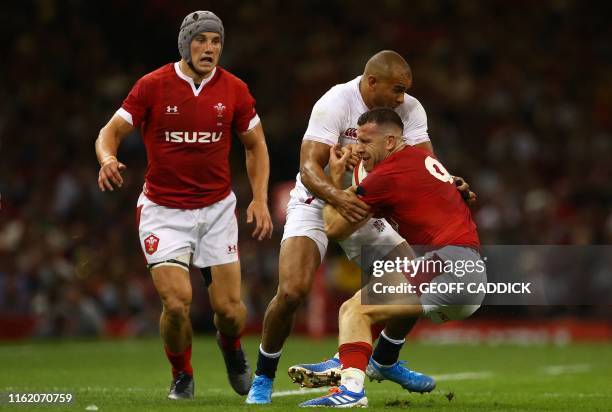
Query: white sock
<point x="270" y="355"/>
<point x="394" y="341"/>
<point x="352" y="379"/>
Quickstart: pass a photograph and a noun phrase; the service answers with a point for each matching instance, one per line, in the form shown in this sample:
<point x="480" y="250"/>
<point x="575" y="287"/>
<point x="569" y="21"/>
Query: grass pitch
<point x="134" y="376"/>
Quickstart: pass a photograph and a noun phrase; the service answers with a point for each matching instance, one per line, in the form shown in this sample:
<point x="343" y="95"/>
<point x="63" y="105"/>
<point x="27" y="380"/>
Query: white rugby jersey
<point x="334" y="120"/>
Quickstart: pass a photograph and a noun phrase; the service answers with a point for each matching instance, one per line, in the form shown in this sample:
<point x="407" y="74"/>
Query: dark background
<point x="518" y="96"/>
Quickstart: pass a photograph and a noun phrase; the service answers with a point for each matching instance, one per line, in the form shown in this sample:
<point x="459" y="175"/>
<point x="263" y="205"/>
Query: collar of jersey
<point x="196" y="91"/>
<point x="358" y="92"/>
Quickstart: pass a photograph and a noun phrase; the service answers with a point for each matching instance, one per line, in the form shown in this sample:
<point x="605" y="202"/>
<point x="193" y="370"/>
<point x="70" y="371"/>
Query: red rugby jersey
<point x="187" y="132"/>
<point x="415" y="193"/>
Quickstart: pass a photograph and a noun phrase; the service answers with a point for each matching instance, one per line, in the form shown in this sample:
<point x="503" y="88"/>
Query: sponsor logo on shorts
<point x="151" y="242"/>
<point x="379" y="225"/>
<point x="231" y="249"/>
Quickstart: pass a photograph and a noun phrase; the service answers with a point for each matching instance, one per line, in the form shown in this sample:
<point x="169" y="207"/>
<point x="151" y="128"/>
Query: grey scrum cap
<point x="195" y="23"/>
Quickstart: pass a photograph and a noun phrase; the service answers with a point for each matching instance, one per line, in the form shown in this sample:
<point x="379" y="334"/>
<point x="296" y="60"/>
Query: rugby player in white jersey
<point x="386" y="78"/>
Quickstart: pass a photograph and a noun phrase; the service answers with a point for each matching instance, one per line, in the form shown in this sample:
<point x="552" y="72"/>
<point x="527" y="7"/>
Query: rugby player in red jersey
<point x="410" y="188"/>
<point x="385" y="82"/>
<point x="187" y="112"/>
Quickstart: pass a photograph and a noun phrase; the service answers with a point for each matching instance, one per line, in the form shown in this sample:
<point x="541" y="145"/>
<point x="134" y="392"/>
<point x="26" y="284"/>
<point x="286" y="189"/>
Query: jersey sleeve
<point x="377" y="191"/>
<point x="136" y="105"/>
<point x="415" y="128"/>
<point x="245" y="116"/>
<point x="326" y="121"/>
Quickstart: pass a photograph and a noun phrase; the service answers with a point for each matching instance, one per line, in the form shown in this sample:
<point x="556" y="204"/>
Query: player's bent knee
<point x="351" y="307"/>
<point x="230" y="311"/>
<point x="292" y="297"/>
<point x="176" y="306"/>
<point x="345" y="309"/>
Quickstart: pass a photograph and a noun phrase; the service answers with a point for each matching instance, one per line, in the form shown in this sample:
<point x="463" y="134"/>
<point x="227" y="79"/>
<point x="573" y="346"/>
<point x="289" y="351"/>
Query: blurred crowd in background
<point x="518" y="97"/>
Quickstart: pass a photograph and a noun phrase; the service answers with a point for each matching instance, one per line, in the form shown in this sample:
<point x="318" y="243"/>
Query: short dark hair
<point x="381" y="116"/>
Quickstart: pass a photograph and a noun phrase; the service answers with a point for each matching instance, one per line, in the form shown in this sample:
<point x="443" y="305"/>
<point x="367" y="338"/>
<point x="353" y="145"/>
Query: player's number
<point x="437" y="170"/>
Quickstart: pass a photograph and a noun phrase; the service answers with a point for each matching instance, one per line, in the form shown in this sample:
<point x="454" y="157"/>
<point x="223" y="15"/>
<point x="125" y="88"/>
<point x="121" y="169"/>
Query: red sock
<point x="355" y="355"/>
<point x="181" y="362"/>
<point x="376" y="329"/>
<point x="229" y="343"/>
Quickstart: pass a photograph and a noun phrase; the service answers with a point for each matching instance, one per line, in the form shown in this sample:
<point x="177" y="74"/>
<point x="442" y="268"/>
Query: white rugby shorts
<point x="209" y="234"/>
<point x="305" y="219"/>
<point x="442" y="307"/>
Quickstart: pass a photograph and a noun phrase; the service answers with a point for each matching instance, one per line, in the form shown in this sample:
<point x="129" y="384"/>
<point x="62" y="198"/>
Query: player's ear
<point x="371" y="80"/>
<point x="391" y="141"/>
